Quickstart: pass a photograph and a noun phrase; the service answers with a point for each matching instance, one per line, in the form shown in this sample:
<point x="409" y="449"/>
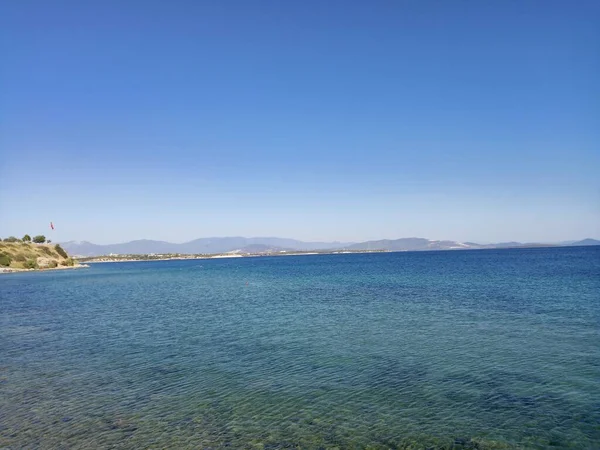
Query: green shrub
<point x="26" y="238"/>
<point x="11" y="239"/>
<point x="60" y="251"/>
<point x="40" y="239"/>
<point x="4" y="260"/>
<point x="52" y="264"/>
<point x="69" y="262"/>
<point x="30" y="264"/>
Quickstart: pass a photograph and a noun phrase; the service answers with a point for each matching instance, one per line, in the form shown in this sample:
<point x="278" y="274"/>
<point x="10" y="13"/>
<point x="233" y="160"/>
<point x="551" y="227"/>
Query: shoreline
<point x="158" y="259"/>
<point x="15" y="270"/>
<point x="180" y="258"/>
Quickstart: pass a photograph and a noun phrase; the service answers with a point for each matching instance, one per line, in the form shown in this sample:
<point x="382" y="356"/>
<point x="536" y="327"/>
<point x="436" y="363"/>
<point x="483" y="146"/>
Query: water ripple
<point x="493" y="349"/>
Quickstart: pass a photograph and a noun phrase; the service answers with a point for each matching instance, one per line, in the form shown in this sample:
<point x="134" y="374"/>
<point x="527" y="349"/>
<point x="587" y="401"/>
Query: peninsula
<point x="18" y="256"/>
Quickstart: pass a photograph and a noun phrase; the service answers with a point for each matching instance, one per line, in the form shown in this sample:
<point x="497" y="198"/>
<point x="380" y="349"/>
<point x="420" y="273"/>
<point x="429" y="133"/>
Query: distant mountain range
<point x="198" y="246"/>
<point x="271" y="244"/>
<point x="583" y="242"/>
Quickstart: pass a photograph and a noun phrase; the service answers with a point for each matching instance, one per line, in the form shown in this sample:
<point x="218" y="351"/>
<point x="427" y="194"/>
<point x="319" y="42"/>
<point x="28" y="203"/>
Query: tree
<point x="26" y="238"/>
<point x="60" y="251"/>
<point x="4" y="260"/>
<point x="48" y="241"/>
<point x="67" y="262"/>
<point x="40" y="239"/>
<point x="11" y="239"/>
<point x="30" y="264"/>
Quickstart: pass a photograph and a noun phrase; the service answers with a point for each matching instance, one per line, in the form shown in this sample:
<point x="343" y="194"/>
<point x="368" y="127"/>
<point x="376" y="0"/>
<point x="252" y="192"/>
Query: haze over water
<point x="487" y="349"/>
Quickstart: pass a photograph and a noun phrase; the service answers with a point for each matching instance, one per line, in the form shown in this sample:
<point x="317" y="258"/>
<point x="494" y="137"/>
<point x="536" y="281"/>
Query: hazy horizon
<point x="336" y="121"/>
<point x="332" y="240"/>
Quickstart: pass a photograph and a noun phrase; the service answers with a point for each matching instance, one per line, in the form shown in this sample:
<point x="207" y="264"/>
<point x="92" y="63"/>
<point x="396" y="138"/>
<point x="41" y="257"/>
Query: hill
<point x="587" y="241"/>
<point x="25" y="255"/>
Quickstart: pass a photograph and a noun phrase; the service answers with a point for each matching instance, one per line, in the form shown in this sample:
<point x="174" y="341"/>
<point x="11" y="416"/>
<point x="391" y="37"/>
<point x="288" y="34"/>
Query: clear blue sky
<point x="334" y="120"/>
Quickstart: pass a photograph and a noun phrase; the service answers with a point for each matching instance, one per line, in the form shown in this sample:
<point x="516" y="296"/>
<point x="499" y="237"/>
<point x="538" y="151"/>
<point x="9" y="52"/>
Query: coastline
<point x="104" y="259"/>
<point x="15" y="270"/>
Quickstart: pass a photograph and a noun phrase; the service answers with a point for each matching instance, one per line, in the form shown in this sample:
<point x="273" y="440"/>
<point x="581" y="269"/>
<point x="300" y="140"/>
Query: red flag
<point x="51" y="225"/>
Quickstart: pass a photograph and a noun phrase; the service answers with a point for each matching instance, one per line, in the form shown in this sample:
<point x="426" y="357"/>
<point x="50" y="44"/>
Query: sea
<point x="484" y="349"/>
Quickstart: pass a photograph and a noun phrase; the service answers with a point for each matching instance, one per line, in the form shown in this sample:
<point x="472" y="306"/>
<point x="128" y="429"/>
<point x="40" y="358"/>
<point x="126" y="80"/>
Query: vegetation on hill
<point x="60" y="251"/>
<point x="21" y="254"/>
<point x="39" y="239"/>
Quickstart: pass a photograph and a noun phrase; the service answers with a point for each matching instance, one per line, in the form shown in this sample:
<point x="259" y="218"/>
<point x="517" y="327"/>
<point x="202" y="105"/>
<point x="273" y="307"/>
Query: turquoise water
<point x="465" y="349"/>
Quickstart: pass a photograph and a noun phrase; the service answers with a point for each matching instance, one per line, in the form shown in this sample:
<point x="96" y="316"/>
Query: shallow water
<point x="464" y="349"/>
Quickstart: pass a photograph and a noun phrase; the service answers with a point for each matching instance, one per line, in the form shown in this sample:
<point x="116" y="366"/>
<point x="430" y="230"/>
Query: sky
<point x="339" y="120"/>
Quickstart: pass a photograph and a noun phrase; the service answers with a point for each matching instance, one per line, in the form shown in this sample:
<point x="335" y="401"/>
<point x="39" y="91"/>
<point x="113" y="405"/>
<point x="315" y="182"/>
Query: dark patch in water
<point x="278" y="445"/>
<point x="505" y="400"/>
<point x="392" y="373"/>
<point x="464" y="443"/>
<point x="459" y="396"/>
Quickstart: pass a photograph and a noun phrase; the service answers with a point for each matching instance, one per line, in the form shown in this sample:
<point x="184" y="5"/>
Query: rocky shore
<point x="47" y="269"/>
